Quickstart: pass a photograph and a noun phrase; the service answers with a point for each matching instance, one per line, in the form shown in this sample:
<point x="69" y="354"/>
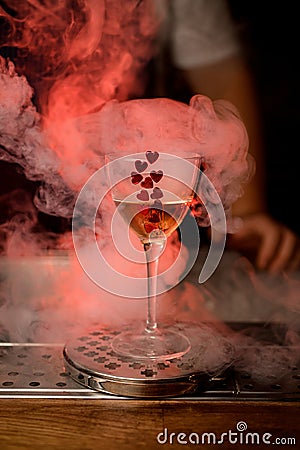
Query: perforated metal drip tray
<point x="38" y="370"/>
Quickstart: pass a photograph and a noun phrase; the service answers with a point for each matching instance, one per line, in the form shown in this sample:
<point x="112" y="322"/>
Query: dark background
<point x="269" y="32"/>
<point x="270" y="39"/>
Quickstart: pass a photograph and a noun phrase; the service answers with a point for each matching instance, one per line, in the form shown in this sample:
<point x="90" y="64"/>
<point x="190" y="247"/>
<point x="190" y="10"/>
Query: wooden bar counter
<point x="129" y="424"/>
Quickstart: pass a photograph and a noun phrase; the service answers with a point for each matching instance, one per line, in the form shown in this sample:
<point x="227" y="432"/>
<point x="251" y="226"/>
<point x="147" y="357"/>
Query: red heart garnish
<point x="145" y="211"/>
<point x="140" y="165"/>
<point x="156" y="175"/>
<point x="143" y="195"/>
<point x="157" y="193"/>
<point x="149" y="227"/>
<point x="147" y="183"/>
<point x="154" y="216"/>
<point x="136" y="177"/>
<point x="151" y="156"/>
<point x="158" y="204"/>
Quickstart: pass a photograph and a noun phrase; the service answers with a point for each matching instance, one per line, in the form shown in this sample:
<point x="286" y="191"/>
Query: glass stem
<point x="152" y="251"/>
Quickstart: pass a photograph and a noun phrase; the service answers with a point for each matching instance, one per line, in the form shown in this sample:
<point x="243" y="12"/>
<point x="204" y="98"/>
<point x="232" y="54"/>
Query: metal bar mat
<point x="37" y="370"/>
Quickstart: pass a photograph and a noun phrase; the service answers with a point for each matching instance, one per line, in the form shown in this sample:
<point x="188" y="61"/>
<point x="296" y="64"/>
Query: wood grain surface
<point x="73" y="424"/>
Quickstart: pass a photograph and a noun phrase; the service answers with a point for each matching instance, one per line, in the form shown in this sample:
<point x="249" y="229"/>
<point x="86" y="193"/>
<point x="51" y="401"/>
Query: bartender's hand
<point x="269" y="245"/>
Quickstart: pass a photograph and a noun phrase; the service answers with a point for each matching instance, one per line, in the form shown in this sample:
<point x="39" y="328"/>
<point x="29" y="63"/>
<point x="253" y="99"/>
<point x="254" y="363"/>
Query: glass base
<point x="158" y="345"/>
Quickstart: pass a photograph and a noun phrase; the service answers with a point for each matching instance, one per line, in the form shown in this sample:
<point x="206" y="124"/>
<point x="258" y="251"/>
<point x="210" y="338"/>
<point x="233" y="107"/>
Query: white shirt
<point x="197" y="32"/>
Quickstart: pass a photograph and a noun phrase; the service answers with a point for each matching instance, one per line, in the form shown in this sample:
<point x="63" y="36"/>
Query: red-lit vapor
<point x="85" y="69"/>
<point x="82" y="53"/>
<point x="79" y="55"/>
<point x="83" y="62"/>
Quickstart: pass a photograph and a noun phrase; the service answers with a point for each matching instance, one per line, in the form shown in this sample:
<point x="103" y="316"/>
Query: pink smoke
<point x="71" y="95"/>
<point x="82" y="67"/>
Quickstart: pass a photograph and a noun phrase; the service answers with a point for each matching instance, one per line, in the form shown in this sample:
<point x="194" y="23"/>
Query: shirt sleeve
<point x="202" y="32"/>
